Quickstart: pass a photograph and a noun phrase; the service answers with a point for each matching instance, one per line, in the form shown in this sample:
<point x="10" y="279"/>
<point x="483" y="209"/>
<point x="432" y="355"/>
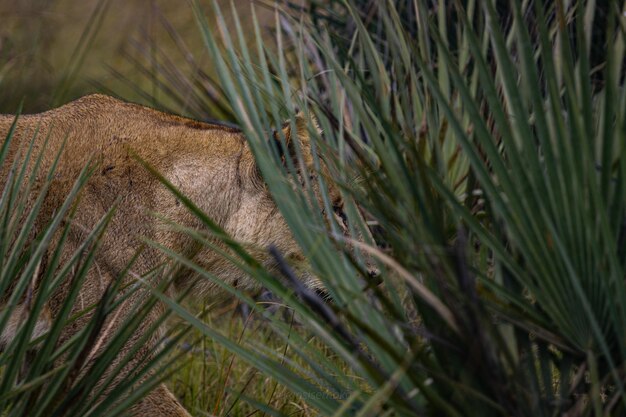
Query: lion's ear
<point x="301" y="134"/>
<point x="302" y="128"/>
<point x="248" y="168"/>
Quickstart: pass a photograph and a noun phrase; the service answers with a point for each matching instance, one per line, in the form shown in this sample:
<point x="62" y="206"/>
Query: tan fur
<point x="19" y="316"/>
<point x="210" y="164"/>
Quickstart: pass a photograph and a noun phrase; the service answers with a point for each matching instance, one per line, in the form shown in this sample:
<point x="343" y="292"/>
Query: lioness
<point x="211" y="164"/>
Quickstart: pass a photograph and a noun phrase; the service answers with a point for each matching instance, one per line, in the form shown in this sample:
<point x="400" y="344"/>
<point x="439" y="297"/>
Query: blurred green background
<point x="54" y="51"/>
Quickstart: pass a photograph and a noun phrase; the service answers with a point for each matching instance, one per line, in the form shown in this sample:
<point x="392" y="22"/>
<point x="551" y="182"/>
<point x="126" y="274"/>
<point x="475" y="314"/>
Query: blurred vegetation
<point x="54" y="51"/>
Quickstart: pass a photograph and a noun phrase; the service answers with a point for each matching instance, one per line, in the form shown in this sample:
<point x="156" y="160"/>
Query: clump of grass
<point x="211" y="380"/>
<point x="42" y="371"/>
<point x="492" y="163"/>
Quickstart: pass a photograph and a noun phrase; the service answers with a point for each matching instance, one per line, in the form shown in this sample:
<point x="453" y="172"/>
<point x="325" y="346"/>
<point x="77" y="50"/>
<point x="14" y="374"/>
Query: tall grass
<point x="492" y="171"/>
<point x="43" y="372"/>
